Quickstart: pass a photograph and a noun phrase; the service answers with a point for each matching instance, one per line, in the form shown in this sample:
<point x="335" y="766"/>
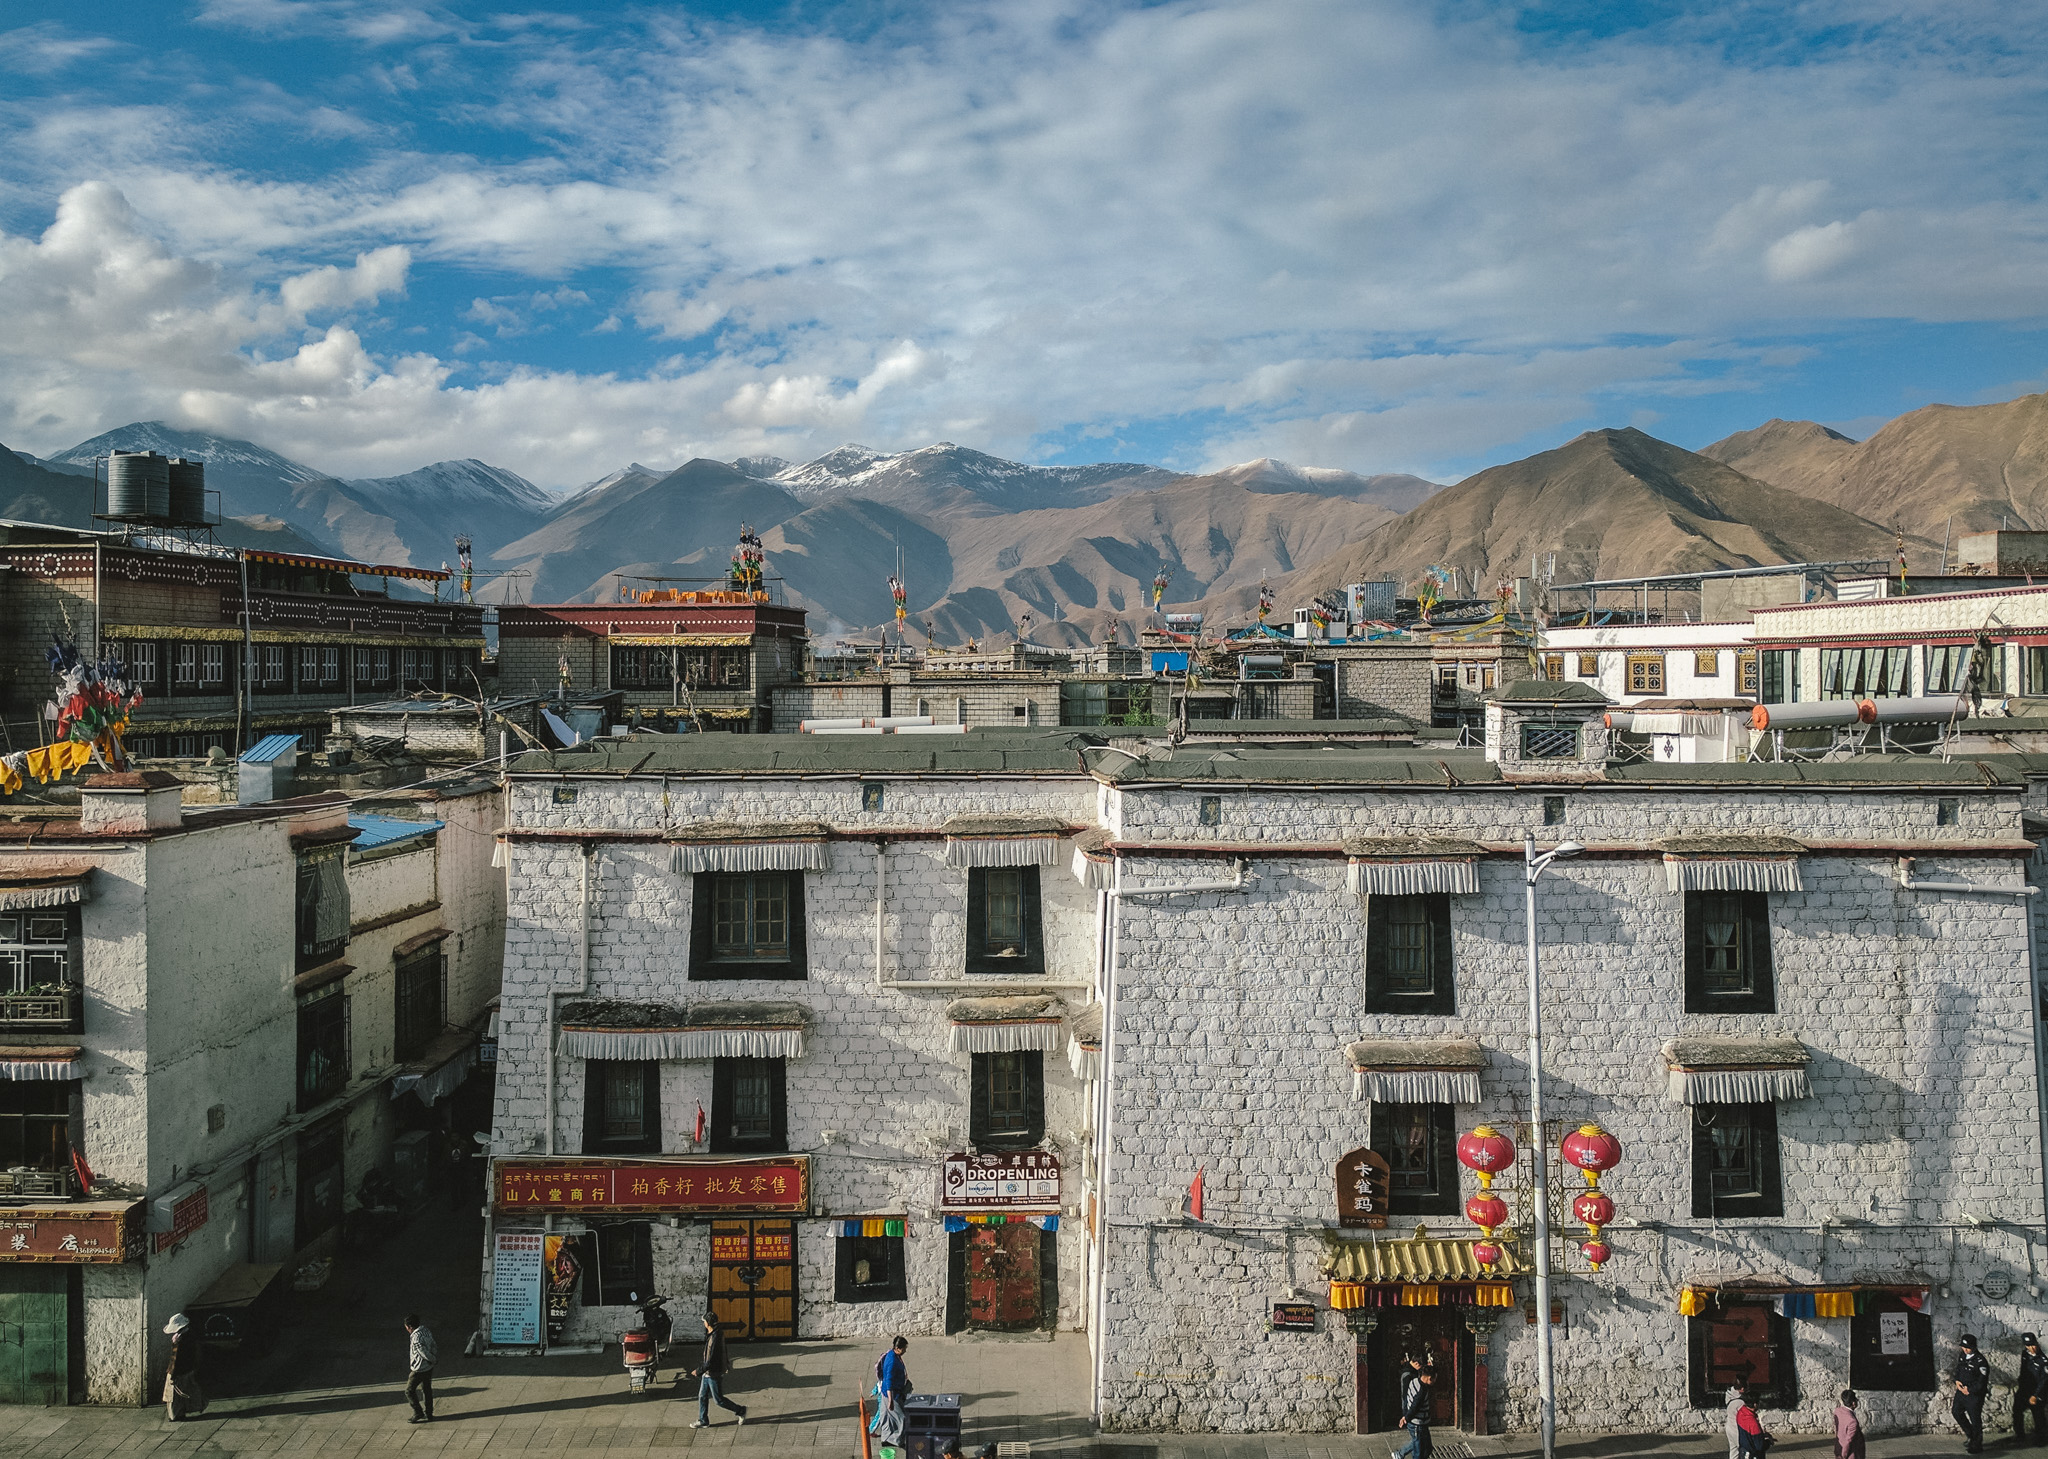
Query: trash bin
<point x="930" y="1422"/>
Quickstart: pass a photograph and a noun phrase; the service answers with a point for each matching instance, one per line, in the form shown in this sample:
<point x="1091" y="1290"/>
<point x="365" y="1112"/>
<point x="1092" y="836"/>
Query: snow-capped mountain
<point x="470" y="481"/>
<point x="762" y="468"/>
<point x="943" y="476"/>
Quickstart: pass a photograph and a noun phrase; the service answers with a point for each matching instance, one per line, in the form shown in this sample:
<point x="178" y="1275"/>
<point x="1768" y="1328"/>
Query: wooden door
<point x="35" y="1333"/>
<point x="1441" y="1332"/>
<point x="1003" y="1276"/>
<point x="753" y="1278"/>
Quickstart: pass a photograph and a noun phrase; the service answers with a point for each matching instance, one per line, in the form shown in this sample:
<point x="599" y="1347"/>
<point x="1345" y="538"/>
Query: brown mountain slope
<point x="1977" y="464"/>
<point x="1797" y="455"/>
<point x="1608" y="503"/>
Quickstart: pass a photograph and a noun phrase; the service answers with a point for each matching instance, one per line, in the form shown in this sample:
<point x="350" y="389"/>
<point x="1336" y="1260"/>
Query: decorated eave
<point x="342" y="564"/>
<point x="1084" y="1043"/>
<point x="750" y="846"/>
<point x="1760" y="1070"/>
<point x="1094" y="862"/>
<point x="1416" y="1071"/>
<point x="47" y="886"/>
<point x="1002" y="840"/>
<point x="609" y="1029"/>
<point x="1406" y="866"/>
<point x="1732" y="863"/>
<point x="1004" y="1025"/>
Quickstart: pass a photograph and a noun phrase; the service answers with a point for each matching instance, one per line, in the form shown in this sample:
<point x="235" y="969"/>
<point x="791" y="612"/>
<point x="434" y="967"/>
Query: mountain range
<point x="983" y="540"/>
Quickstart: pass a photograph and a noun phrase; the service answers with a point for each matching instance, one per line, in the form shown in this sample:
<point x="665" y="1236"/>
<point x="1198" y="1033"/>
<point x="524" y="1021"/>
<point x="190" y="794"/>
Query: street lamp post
<point x="1546" y="1377"/>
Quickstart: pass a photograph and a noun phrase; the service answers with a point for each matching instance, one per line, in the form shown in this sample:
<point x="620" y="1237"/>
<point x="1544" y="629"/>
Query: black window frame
<point x="893" y="1283"/>
<point x="1443" y="1200"/>
<point x="1380" y="915"/>
<point x="418" y="1001"/>
<point x="23" y="954"/>
<point x="42" y="1119"/>
<point x="597" y="1077"/>
<point x="979" y="960"/>
<point x="706" y="965"/>
<point x="618" y="1261"/>
<point x="1871" y="1371"/>
<point x="981" y="1077"/>
<point x="314" y="884"/>
<point x="1709" y="1389"/>
<point x="1754" y="943"/>
<point x="1769" y="1197"/>
<point x="1778" y="676"/>
<point x="725" y="1077"/>
<point x="321" y="1069"/>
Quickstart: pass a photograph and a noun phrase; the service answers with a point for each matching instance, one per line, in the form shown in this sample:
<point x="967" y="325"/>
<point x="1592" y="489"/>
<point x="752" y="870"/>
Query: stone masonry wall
<point x="876" y="1073"/>
<point x="1234" y="1008"/>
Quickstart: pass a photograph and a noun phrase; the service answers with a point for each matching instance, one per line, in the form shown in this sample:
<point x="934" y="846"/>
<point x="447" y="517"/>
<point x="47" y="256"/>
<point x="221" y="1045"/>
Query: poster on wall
<point x="1894" y="1336"/>
<point x="564" y="1267"/>
<point x="515" y="1289"/>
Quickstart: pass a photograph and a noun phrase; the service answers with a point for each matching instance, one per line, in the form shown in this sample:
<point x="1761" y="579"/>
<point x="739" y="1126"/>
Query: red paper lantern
<point x="1596" y="1253"/>
<point x="1594" y="1209"/>
<point x="1593" y="1150"/>
<point x="1485" y="1152"/>
<point x="1486" y="1254"/>
<point x="1487" y="1211"/>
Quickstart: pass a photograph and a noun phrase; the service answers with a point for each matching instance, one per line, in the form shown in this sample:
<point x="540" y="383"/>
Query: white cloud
<point x="1809" y="252"/>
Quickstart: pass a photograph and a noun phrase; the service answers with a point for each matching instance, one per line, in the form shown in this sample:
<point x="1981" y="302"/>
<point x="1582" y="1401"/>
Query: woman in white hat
<point x="182" y="1394"/>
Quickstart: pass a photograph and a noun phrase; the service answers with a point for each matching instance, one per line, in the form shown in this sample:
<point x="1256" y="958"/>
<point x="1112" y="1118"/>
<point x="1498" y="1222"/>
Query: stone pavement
<point x="331" y="1385"/>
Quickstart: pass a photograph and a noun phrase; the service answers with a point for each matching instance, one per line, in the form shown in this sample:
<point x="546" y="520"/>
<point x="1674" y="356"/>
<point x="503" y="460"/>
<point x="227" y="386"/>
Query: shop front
<point x="1001" y="1214"/>
<point x="603" y="1255"/>
<point x="44" y="1250"/>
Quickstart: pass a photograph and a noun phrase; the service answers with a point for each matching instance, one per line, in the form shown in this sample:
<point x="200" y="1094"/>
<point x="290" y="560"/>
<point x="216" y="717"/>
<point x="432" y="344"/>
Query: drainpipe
<point x="2034" y="998"/>
<point x="1105" y="1136"/>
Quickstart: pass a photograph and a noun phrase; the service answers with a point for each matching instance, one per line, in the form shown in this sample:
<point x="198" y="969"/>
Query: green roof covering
<point x="990" y="752"/>
<point x="1545" y="691"/>
<point x="1251" y="729"/>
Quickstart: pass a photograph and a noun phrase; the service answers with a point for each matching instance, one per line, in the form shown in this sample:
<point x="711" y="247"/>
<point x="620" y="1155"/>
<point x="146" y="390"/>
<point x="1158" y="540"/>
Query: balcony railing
<point x="45" y="1009"/>
<point x="38" y="1185"/>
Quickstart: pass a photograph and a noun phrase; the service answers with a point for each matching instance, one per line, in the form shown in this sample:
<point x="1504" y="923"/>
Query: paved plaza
<point x="331" y="1385"/>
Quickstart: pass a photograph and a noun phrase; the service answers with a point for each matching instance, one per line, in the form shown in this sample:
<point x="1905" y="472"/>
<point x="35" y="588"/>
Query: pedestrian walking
<point x="1732" y="1400"/>
<point x="183" y="1396"/>
<point x="1848" y="1428"/>
<point x="2031" y="1397"/>
<point x="1418" y="1400"/>
<point x="710" y="1375"/>
<point x="1756" y="1439"/>
<point x="421" y="1353"/>
<point x="892" y="1387"/>
<point x="1972" y="1379"/>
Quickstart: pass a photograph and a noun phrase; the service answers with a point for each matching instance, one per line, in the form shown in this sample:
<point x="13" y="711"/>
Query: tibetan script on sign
<point x="1364" y="1187"/>
<point x="1028" y="1181"/>
<point x="79" y="1234"/>
<point x="602" y="1187"/>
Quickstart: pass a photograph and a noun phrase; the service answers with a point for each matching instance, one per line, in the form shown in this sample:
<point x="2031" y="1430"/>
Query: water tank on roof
<point x="188" y="492"/>
<point x="138" y="486"/>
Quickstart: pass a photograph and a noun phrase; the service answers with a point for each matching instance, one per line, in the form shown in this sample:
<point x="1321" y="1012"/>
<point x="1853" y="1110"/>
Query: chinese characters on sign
<point x="1026" y="1181"/>
<point x="1293" y="1317"/>
<point x="1894" y="1336"/>
<point x="34" y="1234"/>
<point x="515" y="1289"/>
<point x="602" y="1187"/>
<point x="1364" y="1183"/>
<point x="187" y="1216"/>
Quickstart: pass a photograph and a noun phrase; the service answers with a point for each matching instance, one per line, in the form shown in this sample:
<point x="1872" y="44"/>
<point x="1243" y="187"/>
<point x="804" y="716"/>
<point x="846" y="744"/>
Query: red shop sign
<point x="39" y="1234"/>
<point x="603" y="1187"/>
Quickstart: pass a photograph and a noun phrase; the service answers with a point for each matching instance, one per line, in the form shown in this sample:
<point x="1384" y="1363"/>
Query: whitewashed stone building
<point x="1798" y="994"/>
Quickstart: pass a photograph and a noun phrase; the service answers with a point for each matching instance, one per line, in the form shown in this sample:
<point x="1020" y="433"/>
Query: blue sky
<point x="1377" y="236"/>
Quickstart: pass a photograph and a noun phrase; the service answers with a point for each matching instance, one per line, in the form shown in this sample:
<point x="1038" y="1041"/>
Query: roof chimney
<point x="131" y="801"/>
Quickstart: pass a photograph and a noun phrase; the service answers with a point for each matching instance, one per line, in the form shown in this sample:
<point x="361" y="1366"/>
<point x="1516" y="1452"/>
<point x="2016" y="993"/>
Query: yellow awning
<point x="680" y="640"/>
<point x="1416" y="1261"/>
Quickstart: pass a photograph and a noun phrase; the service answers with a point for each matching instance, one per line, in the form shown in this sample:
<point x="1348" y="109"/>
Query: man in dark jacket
<point x="1418" y="1400"/>
<point x="710" y="1372"/>
<point x="1973" y="1381"/>
<point x="2031" y="1397"/>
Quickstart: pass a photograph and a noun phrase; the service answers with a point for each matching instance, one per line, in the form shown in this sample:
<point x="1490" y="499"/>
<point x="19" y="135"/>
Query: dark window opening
<point x="1728" y="953"/>
<point x="1003" y="920"/>
<point x="1007" y="1099"/>
<point x="749" y="1112"/>
<point x="1408" y="966"/>
<point x="1553" y="810"/>
<point x="322" y="909"/>
<point x="622" y="1107"/>
<point x="1419" y="1142"/>
<point x="747" y="925"/>
<point x="1550" y="742"/>
<point x="618" y="1263"/>
<point x="1741" y="1343"/>
<point x="1735" y="1161"/>
<point x="323" y="1049"/>
<point x="419" y="1003"/>
<point x="1891" y="1348"/>
<point x="870" y="1269"/>
<point x="35" y="1123"/>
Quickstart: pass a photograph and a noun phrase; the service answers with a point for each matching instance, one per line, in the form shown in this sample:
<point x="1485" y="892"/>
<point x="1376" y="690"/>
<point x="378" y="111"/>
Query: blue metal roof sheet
<point x="270" y="749"/>
<point x="375" y="831"/>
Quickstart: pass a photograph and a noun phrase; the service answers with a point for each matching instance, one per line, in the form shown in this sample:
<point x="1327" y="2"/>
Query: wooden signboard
<point x="607" y="1187"/>
<point x="1364" y="1189"/>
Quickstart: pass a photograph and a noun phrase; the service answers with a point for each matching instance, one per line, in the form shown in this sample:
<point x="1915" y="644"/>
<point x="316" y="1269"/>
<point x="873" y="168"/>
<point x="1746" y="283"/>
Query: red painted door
<point x="1002" y="1276"/>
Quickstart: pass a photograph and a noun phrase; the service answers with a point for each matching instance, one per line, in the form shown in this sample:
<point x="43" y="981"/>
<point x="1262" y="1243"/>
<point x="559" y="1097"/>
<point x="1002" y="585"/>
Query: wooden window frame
<point x="706" y="965"/>
<point x="419" y="1002"/>
<point x="1589" y="666"/>
<point x="1748" y="673"/>
<point x="850" y="1251"/>
<point x="1754" y="942"/>
<point x="597" y="1074"/>
<point x="1642" y="670"/>
<point x="1708" y="1389"/>
<point x="1380" y="996"/>
<point x="29" y="1128"/>
<point x="979" y="959"/>
<point x="1870" y="1371"/>
<point x="980" y="1106"/>
<point x="322" y="1032"/>
<point x="598" y="1244"/>
<point x="1443" y="1135"/>
<point x="1769" y="1197"/>
<point x="1706" y="663"/>
<point x="725" y="1077"/>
